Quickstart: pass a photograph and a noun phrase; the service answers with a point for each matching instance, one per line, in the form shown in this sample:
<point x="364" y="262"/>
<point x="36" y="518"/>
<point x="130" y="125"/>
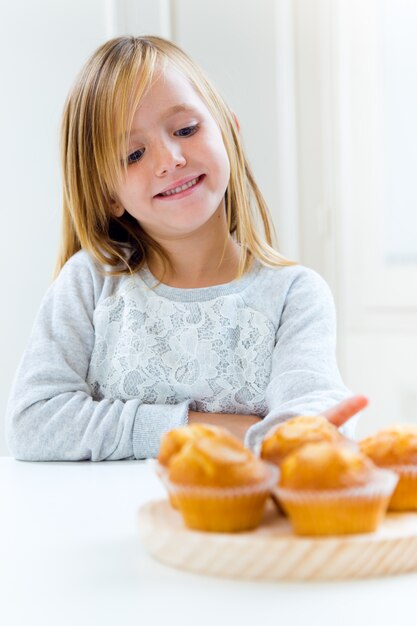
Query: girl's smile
<point x="181" y="188"/>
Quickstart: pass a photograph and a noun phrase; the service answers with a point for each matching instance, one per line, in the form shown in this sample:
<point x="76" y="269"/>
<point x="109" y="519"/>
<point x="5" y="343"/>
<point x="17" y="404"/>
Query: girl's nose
<point x="168" y="157"/>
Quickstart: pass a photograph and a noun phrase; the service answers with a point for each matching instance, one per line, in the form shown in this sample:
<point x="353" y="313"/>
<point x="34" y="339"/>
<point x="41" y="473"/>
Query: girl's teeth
<point x="191" y="183"/>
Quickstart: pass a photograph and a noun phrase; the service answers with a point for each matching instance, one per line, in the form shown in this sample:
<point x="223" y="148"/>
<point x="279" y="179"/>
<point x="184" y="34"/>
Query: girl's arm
<point x="305" y="379"/>
<point x="51" y="413"/>
<point x="236" y="423"/>
<point x="240" y="424"/>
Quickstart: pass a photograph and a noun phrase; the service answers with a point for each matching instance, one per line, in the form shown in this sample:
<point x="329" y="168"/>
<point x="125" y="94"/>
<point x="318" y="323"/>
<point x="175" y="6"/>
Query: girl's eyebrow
<point x="173" y="110"/>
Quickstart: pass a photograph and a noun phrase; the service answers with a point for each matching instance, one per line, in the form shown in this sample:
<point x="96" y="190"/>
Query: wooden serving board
<point x="273" y="552"/>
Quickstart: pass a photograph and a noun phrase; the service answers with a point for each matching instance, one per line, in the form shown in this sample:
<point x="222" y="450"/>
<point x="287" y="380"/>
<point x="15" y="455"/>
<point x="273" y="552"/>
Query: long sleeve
<point x="305" y="379"/>
<point x="51" y="412"/>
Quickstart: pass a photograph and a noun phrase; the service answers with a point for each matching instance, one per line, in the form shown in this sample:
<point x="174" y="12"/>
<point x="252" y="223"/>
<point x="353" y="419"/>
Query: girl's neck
<point x="201" y="259"/>
<point x="195" y="268"/>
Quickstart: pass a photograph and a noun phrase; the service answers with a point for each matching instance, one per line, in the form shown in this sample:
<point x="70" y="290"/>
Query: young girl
<point x="169" y="306"/>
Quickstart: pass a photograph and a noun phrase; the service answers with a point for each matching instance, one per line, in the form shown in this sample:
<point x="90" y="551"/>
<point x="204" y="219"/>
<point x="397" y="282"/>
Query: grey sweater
<point x="114" y="362"/>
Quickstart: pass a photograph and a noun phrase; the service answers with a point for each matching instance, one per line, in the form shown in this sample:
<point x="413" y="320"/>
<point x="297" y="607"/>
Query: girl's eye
<point x="135" y="156"/>
<point x="187" y="132"/>
<point x="183" y="132"/>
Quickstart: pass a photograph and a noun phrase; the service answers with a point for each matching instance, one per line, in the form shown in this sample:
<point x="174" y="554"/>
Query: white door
<point x="360" y="220"/>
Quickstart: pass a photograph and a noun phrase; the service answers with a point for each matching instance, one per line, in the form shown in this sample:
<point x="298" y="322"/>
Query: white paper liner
<point x="410" y="471"/>
<point x="159" y="469"/>
<point x="404" y="497"/>
<point x="382" y="485"/>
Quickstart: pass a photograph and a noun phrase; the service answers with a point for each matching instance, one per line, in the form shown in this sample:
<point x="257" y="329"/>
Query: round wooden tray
<point x="273" y="552"/>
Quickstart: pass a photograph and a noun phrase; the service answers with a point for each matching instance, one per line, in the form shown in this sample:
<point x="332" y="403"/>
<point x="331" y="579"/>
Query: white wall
<point x="42" y="45"/>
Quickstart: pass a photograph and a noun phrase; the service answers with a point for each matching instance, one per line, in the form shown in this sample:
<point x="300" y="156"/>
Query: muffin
<point x="219" y="485"/>
<point x="329" y="488"/>
<point x="295" y="432"/>
<point x="173" y="440"/>
<point x="395" y="448"/>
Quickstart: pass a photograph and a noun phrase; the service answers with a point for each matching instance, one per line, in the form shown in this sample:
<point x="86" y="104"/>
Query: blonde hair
<point x="96" y="121"/>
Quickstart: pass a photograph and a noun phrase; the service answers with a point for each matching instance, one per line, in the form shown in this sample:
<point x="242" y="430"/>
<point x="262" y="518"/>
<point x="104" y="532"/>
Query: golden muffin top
<point x="395" y="445"/>
<point x="216" y="462"/>
<point x="295" y="432"/>
<point x="326" y="465"/>
<point x="173" y="440"/>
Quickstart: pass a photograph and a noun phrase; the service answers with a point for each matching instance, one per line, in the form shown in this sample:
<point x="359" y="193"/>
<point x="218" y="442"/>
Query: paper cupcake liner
<point x="404" y="497"/>
<point x="339" y="511"/>
<point x="383" y="484"/>
<point x="221" y="509"/>
<point x="162" y="472"/>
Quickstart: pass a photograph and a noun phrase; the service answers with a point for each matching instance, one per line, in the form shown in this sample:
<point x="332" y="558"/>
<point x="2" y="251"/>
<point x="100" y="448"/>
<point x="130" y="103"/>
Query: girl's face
<point x="178" y="168"/>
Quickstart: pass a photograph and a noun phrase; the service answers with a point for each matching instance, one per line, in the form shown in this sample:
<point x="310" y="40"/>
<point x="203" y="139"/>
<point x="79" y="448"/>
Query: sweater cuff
<point x="256" y="433"/>
<point x="151" y="422"/>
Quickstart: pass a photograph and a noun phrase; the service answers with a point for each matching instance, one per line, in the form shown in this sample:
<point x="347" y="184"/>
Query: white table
<point x="70" y="553"/>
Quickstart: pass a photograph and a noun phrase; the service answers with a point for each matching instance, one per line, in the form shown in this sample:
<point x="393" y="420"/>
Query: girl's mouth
<point x="182" y="191"/>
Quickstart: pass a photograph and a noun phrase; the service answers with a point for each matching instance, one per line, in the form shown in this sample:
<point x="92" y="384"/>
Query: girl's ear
<point x="236" y="121"/>
<point x="116" y="209"/>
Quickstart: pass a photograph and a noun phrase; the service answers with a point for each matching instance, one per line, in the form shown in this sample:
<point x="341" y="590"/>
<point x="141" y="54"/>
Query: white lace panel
<point x="216" y="352"/>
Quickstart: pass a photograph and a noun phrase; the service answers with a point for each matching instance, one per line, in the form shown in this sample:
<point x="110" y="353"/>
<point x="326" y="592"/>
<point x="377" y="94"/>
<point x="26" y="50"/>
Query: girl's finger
<point x="340" y="413"/>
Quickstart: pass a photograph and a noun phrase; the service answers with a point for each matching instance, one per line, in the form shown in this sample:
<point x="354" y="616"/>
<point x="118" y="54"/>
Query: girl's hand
<point x="341" y="412"/>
